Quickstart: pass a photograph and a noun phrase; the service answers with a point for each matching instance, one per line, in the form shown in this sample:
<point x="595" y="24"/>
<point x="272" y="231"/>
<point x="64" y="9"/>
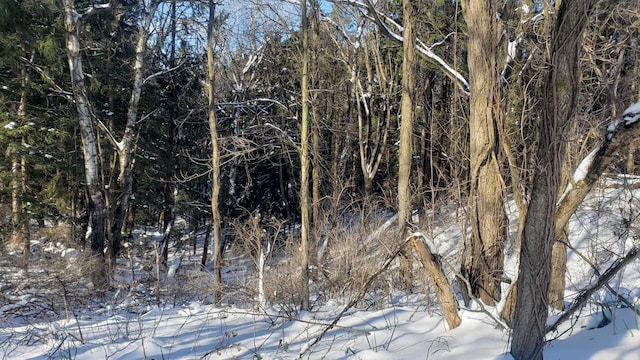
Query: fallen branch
<point x="432" y="265"/>
<point x="582" y="298"/>
<point x="607" y="286"/>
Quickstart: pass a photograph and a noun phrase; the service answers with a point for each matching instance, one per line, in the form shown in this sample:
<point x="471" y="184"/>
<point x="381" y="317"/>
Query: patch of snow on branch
<point x="632" y="114"/>
<point x="430" y="244"/>
<point x="583" y="169"/>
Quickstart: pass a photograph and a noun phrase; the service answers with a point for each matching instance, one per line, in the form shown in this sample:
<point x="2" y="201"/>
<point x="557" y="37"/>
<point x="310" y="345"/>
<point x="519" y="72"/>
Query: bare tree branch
<point x="581" y="299"/>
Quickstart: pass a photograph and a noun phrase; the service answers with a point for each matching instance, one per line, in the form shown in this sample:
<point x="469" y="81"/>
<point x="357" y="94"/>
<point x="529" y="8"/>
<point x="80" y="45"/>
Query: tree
<point x="114" y="214"/>
<point x="605" y="61"/>
<point x="215" y="153"/>
<point x="483" y="260"/>
<point x="125" y="147"/>
<point x="559" y="96"/>
<point x="304" y="160"/>
<point x="406" y="135"/>
<point x="96" y="207"/>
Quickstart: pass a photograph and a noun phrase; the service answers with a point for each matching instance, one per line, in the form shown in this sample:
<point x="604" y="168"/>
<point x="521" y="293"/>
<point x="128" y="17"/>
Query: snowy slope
<point x="405" y="327"/>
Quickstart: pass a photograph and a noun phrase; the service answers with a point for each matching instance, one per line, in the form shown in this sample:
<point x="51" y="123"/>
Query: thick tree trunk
<point x="215" y="156"/>
<point x="558" y="105"/>
<point x="483" y="258"/>
<point x="96" y="210"/>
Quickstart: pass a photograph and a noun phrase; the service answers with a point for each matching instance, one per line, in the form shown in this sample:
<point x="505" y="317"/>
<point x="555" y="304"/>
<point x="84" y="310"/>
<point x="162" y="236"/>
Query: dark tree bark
<point x="558" y="105"/>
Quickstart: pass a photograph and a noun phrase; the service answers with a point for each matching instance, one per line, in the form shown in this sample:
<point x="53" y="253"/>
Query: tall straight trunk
<point x="215" y="155"/>
<point x="315" y="141"/>
<point x="406" y="138"/>
<point x="558" y="105"/>
<point x="19" y="225"/>
<point x="304" y="162"/>
<point x="483" y="258"/>
<point x="96" y="210"/>
<point x="125" y="147"/>
<point x="315" y="189"/>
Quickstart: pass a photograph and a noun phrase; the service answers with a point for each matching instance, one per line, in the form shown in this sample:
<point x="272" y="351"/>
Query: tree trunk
<point x="315" y="141"/>
<point x="406" y="136"/>
<point x="19" y="221"/>
<point x="125" y="147"/>
<point x="215" y="156"/>
<point x="558" y="104"/>
<point x="444" y="293"/>
<point x="304" y="162"/>
<point x="96" y="210"/>
<point x="373" y="127"/>
<point x="483" y="258"/>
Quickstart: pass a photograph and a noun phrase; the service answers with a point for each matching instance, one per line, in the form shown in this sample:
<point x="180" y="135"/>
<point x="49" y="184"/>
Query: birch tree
<point x="95" y="233"/>
<point x="124" y="147"/>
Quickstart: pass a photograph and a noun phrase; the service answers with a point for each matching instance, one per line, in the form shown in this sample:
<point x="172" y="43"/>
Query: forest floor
<point x="51" y="311"/>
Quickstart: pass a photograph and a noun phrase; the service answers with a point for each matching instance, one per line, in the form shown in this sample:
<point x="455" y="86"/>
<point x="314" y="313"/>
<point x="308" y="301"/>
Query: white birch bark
<point x="95" y="227"/>
<point x="125" y="147"/>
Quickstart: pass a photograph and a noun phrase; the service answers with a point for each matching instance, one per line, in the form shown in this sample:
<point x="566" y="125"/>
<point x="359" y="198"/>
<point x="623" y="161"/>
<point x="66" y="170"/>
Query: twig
<point x="359" y="296"/>
<point x="483" y="309"/>
<point x="597" y="273"/>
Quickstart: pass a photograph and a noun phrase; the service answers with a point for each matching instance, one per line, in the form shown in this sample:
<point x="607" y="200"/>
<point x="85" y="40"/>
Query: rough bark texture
<point x="304" y="162"/>
<point x="215" y="156"/>
<point x="444" y="293"/>
<point x="96" y="209"/>
<point x="558" y="105"/>
<point x="483" y="258"/>
<point x="406" y="132"/>
<point x="558" y="283"/>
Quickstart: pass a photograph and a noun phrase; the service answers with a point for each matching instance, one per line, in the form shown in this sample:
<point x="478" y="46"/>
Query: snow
<point x="583" y="169"/>
<point x="400" y="332"/>
<point x="405" y="326"/>
<point x="632" y="114"/>
<point x="11" y="125"/>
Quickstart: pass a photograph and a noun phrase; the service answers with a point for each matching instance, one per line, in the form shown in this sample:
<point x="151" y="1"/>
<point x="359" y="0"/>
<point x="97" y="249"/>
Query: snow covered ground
<point x="130" y="325"/>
